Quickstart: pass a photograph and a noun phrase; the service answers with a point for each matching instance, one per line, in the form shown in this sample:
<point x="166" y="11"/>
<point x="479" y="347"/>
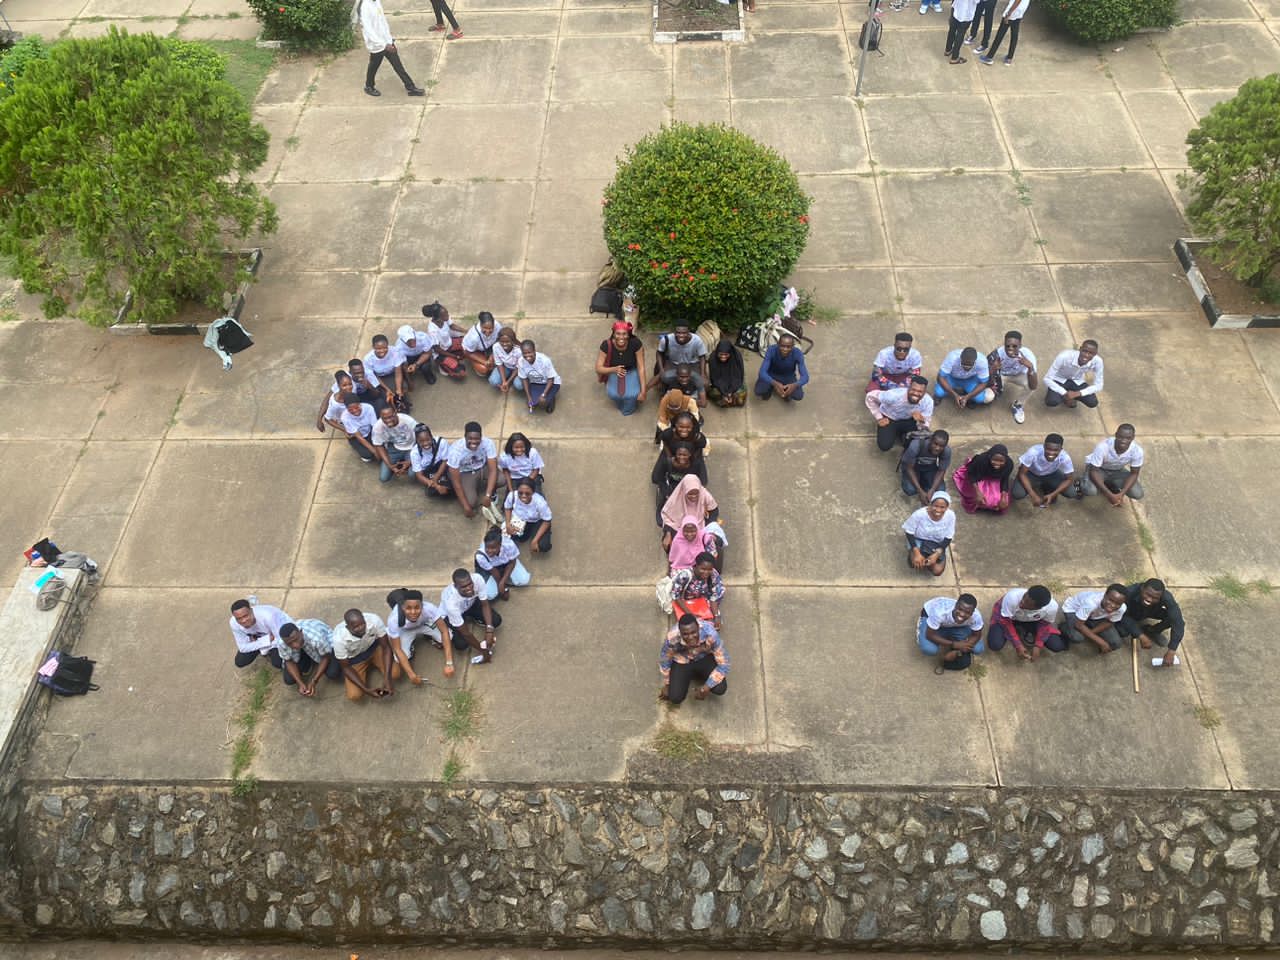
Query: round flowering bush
<point x="705" y="223"/>
<point x="306" y="24"/>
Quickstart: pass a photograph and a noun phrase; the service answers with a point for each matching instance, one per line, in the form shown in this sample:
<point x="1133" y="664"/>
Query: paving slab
<point x="327" y="226"/>
<point x="290" y="81"/>
<point x="402" y="295"/>
<point x="847" y="289"/>
<point x="235" y="9"/>
<point x="853" y="695"/>
<point x="1218" y="10"/>
<point x="45" y="29"/>
<point x="630" y="69"/>
<point x="790" y="66"/>
<point x="496" y="70"/>
<point x="134" y="8"/>
<point x="1202" y="101"/>
<point x="83" y="29"/>
<point x="845" y="223"/>
<point x="106" y="478"/>
<point x="179" y="533"/>
<point x="144" y="723"/>
<point x="1232" y="669"/>
<point x="995" y="289"/>
<point x="351" y="143"/>
<point x="794" y="17"/>
<point x="1134" y="346"/>
<point x="340" y="81"/>
<point x="1047" y="62"/>
<point x="1124" y="287"/>
<point x="1091" y="217"/>
<point x="458" y="142"/>
<point x="1072" y="719"/>
<point x="1136" y="65"/>
<point x="1040" y="131"/>
<point x="701" y="71"/>
<point x="1264" y="347"/>
<point x="538" y="724"/>
<point x="610" y="22"/>
<point x="702" y="111"/>
<point x="26" y="505"/>
<point x="1195" y="544"/>
<point x="220" y="28"/>
<point x="467" y="226"/>
<point x="567" y="230"/>
<point x="284" y="296"/>
<point x="39" y="9"/>
<point x="1163" y="120"/>
<point x="279" y="120"/>
<point x="1218" y="54"/>
<point x="929" y="218"/>
<point x="915" y="64"/>
<point x="925" y="133"/>
<point x="555" y="294"/>
<point x="480" y="24"/>
<point x="151" y="375"/>
<point x="586" y="140"/>
<point x="815" y="136"/>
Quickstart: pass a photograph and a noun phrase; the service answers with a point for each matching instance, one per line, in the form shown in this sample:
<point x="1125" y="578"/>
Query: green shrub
<point x="14" y="62"/>
<point x="199" y="58"/>
<point x="123" y="168"/>
<point x="705" y="223"/>
<point x="1101" y="21"/>
<point x="1234" y="157"/>
<point x="306" y="24"/>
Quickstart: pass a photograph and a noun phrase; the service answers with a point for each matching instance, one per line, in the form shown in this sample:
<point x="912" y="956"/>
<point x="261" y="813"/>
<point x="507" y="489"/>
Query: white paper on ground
<point x="1159" y="661"/>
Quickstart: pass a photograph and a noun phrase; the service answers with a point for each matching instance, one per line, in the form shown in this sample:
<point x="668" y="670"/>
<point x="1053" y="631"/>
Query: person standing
<point x="900" y="411"/>
<point x="692" y="653"/>
<point x="1013" y="364"/>
<point x="1045" y="473"/>
<point x="382" y="45"/>
<point x="441" y="10"/>
<point x="983" y="14"/>
<point x="1112" y="468"/>
<point x="1150" y="610"/>
<point x="961" y="16"/>
<point x="1067" y="381"/>
<point x="1094" y="615"/>
<point x="924" y="466"/>
<point x="1011" y="21"/>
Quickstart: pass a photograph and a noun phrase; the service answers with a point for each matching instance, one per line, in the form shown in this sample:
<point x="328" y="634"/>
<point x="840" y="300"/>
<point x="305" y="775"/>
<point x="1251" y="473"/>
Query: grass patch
<point x="461" y="715"/>
<point x="1230" y="586"/>
<point x="246" y="747"/>
<point x="1020" y="186"/>
<point x="977" y="670"/>
<point x="452" y="770"/>
<point x="244" y="786"/>
<point x="1145" y="537"/>
<point x="177" y="406"/>
<point x="1056" y="587"/>
<point x="1207" y="717"/>
<point x="247" y="65"/>
<point x="1263" y="588"/>
<point x="684" y="746"/>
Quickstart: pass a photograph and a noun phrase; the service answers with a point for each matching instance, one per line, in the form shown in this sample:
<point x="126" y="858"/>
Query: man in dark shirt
<point x="924" y="466"/>
<point x="1150" y="610"/>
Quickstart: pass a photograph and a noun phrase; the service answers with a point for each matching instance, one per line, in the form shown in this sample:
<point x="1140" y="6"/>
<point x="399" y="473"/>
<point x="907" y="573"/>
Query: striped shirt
<point x="675" y="651"/>
<point x="317" y="642"/>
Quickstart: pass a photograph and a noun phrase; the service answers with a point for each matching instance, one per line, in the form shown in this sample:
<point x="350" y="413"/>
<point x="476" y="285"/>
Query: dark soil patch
<point x="723" y="765"/>
<point x="696" y="16"/>
<point x="1235" y="297"/>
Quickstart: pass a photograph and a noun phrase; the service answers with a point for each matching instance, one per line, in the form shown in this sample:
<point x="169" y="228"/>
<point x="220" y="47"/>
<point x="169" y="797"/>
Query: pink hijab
<point x="684" y="552"/>
<point x="676" y="509"/>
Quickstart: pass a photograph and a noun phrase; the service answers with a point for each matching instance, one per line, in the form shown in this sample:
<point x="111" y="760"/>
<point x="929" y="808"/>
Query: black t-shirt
<point x="614" y="357"/>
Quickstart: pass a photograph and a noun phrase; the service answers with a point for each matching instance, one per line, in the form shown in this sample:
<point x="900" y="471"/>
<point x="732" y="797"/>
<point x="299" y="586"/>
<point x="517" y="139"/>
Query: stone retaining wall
<point x="739" y="867"/>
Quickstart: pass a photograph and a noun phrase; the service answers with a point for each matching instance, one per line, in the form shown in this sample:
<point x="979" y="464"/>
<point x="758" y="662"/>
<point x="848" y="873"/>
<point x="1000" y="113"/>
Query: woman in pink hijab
<point x="689" y="498"/>
<point x="693" y="539"/>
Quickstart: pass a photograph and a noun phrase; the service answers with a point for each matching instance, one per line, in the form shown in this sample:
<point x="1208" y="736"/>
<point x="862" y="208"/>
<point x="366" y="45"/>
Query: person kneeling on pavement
<point x="692" y="653"/>
<point x="303" y="647"/>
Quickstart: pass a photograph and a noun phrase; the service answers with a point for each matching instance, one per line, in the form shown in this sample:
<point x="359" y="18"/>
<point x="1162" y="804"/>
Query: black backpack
<point x="233" y="338"/>
<point x="607" y="300"/>
<point x="749" y="337"/>
<point x="869" y="35"/>
<point x="71" y="675"/>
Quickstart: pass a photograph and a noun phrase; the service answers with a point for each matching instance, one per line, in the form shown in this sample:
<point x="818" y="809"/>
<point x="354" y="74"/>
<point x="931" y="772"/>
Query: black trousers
<point x="1051" y="398"/>
<point x="442" y="10"/>
<point x="1011" y="26"/>
<point x="684" y="674"/>
<point x="305" y="665"/>
<point x="986" y="10"/>
<point x="532" y="527"/>
<point x="393" y="58"/>
<point x="955" y="37"/>
<point x="244" y="659"/>
<point x="886" y="437"/>
<point x="475" y="613"/>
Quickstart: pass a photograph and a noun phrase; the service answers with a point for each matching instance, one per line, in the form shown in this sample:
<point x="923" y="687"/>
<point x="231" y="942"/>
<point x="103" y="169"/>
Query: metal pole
<point x="863" y="40"/>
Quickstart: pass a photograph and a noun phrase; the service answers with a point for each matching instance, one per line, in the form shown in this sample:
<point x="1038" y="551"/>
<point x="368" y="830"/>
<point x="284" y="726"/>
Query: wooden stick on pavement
<point x="1137" y="685"/>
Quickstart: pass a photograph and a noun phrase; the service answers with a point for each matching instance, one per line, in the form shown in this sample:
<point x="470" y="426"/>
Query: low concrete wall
<point x="734" y="867"/>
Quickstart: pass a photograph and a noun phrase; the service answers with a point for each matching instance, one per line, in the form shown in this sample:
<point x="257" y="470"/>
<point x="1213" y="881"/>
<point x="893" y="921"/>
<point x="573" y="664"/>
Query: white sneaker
<point x="924" y="8"/>
<point x="1019" y="415"/>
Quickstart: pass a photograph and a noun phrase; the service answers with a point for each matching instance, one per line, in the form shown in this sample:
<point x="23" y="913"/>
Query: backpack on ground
<point x="709" y="332"/>
<point x="749" y="337"/>
<point x="607" y="300"/>
<point x="67" y="675"/>
<point x="869" y="35"/>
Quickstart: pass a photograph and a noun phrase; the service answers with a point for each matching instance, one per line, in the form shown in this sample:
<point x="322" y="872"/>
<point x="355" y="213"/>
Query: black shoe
<point x="415" y="91"/>
<point x="373" y="91"/>
<point x="551" y="405"/>
<point x="428" y="374"/>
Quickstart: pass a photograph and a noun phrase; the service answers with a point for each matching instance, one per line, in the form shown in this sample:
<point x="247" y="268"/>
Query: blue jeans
<point x="961" y="386"/>
<point x="628" y="399"/>
<point x="495" y="378"/>
<point x="926" y="477"/>
<point x="519" y="578"/>
<point x="395" y="456"/>
<point x="765" y="387"/>
<point x="951" y="633"/>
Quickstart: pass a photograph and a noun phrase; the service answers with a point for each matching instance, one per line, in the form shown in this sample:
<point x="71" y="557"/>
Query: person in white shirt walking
<point x="1045" y="473"/>
<point x="1094" y="615"/>
<point x="1112" y="468"/>
<point x="382" y="45"/>
<point x="442" y="10"/>
<point x="1010" y="22"/>
<point x="961" y="16"/>
<point x="1067" y="381"/>
<point x="1013" y="364"/>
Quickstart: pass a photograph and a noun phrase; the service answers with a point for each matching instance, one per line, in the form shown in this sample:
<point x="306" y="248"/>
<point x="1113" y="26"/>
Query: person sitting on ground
<point x="686" y="382"/>
<point x="463" y="601"/>
<point x="1112" y="468"/>
<point x="1026" y="618"/>
<point x="528" y="517"/>
<point x="783" y="371"/>
<point x="984" y="480"/>
<point x="413" y="617"/>
<point x="386" y="363"/>
<point x="689" y="497"/>
<point x="1093" y="615"/>
<point x="924" y="466"/>
<point x="360" y="644"/>
<point x="473" y="470"/>
<point x="682" y="345"/>
<point x="393" y="439"/>
<point x="692" y="653"/>
<point x="672" y="404"/>
<point x="685" y="429"/>
<point x="368" y="387"/>
<point x="930" y="531"/>
<point x="331" y="406"/>
<point x="618" y="365"/>
<point x="693" y="540"/>
<point x="699" y="590"/>
<point x="498" y="563"/>
<point x="541" y="382"/>
<point x="1045" y="473"/>
<point x="899" y="412"/>
<point x="357" y="422"/>
<point x="415" y="347"/>
<point x="520" y="460"/>
<point x="429" y="461"/>
<point x="951" y="629"/>
<point x="1150" y="611"/>
<point x="671" y="471"/>
<point x="255" y="627"/>
<point x="727" y="376"/>
<point x="1013" y="365"/>
<point x="964" y="377"/>
<point x="895" y="365"/>
<point x="477" y="343"/>
<point x="446" y="342"/>
<point x="303" y="647"/>
<point x="1067" y="381"/>
<point x="506" y="362"/>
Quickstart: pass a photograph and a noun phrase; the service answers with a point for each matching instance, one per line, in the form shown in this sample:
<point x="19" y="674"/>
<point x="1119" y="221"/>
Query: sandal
<point x="438" y="28"/>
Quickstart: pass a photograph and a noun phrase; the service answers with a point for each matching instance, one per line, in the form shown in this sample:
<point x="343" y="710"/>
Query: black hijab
<point x="981" y="468"/>
<point x="728" y="377"/>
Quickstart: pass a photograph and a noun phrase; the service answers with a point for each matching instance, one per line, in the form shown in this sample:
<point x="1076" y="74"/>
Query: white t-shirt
<point x="1104" y="455"/>
<point x="507" y="552"/>
<point x="1012" y="366"/>
<point x="894" y="404"/>
<point x="347" y="646"/>
<point x="1035" y="462"/>
<point x="430" y="614"/>
<point x="540" y="371"/>
<point x="1009" y="608"/>
<point x="384" y="366"/>
<point x="536" y="510"/>
<point x="335" y="408"/>
<point x="465" y="460"/>
<point x="923" y="527"/>
<point x="421" y="344"/>
<point x="1065" y="367"/>
<point x="400" y="436"/>
<point x="267" y="621"/>
<point x="506" y="358"/>
<point x="475" y="341"/>
<point x="940" y="614"/>
<point x="1087" y="605"/>
<point x="361" y="424"/>
<point x="439" y="335"/>
<point x="455" y="604"/>
<point x="952" y="368"/>
<point x="420" y="459"/>
<point x="889" y="363"/>
<point x="522" y="466"/>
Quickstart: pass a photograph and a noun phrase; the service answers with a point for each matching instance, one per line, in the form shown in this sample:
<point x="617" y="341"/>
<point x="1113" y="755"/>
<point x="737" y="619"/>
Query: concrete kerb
<point x="1184" y="248"/>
